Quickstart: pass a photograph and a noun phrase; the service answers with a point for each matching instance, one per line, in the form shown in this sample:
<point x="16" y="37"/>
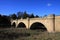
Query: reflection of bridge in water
<point x="51" y="23"/>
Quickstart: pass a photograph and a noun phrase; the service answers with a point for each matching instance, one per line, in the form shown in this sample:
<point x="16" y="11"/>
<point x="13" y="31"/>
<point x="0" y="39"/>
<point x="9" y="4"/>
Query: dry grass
<point x="26" y="34"/>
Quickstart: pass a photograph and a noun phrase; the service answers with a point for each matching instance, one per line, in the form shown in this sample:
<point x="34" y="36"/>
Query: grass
<point x="26" y="34"/>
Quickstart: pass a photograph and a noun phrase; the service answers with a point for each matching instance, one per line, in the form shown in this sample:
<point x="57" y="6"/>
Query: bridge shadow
<point x="14" y="25"/>
<point x="38" y="26"/>
<point x="21" y="25"/>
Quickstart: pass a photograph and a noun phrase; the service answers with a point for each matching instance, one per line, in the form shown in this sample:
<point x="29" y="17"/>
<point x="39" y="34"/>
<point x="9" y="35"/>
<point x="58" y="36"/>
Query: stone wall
<point x="57" y="23"/>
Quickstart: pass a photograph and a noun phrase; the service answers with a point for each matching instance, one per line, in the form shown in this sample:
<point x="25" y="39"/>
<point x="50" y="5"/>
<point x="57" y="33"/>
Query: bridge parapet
<point x="57" y="17"/>
<point x="51" y="16"/>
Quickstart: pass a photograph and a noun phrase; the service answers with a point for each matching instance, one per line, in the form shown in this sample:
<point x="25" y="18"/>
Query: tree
<point x="19" y="14"/>
<point x="4" y="21"/>
<point x="13" y="16"/>
<point x="32" y="15"/>
<point x="25" y="15"/>
<point x="37" y="16"/>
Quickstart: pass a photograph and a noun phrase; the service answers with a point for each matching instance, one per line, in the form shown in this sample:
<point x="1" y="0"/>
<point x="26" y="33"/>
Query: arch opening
<point x="21" y="25"/>
<point x="14" y="25"/>
<point x="38" y="26"/>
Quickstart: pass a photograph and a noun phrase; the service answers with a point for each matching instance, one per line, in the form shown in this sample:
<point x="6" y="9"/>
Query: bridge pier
<point x="51" y="24"/>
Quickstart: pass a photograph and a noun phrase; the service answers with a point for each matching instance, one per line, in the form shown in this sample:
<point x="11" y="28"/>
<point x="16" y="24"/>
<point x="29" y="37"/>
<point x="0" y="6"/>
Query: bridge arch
<point x="21" y="25"/>
<point x="38" y="26"/>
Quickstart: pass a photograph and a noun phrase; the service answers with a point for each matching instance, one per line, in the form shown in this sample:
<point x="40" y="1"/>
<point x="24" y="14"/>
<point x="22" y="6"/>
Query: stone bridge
<point x="51" y="22"/>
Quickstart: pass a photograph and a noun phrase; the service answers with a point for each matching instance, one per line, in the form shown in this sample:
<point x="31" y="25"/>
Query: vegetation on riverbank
<point x="27" y="34"/>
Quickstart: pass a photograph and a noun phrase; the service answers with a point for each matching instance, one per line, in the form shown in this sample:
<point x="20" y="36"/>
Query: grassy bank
<point x="26" y="34"/>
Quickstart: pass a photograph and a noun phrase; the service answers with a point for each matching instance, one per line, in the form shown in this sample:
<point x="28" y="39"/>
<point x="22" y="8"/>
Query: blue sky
<point x="38" y="7"/>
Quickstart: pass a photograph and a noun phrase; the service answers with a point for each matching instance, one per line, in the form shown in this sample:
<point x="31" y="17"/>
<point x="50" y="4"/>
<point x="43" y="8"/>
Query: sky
<point x="37" y="7"/>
